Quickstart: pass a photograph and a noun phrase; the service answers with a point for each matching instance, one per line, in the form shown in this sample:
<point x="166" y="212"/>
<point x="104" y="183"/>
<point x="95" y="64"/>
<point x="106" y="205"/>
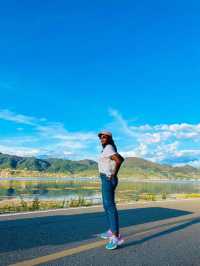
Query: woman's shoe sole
<point x="119" y="244"/>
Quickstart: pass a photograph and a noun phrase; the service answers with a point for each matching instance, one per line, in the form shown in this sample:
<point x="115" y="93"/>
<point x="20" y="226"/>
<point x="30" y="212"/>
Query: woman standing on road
<point x="109" y="165"/>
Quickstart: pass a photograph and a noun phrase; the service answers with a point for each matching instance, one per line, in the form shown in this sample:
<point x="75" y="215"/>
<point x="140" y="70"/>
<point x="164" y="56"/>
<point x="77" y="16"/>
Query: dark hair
<point x="110" y="141"/>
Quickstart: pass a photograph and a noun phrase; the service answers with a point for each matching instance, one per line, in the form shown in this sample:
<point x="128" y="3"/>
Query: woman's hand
<point x="118" y="160"/>
<point x="111" y="176"/>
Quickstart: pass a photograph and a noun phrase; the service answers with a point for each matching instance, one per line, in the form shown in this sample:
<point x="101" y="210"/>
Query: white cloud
<point x="123" y="126"/>
<point x="58" y="131"/>
<point x="195" y="164"/>
<point x="140" y="151"/>
<point x="19" y="150"/>
<point x="163" y="143"/>
<point x="17" y="118"/>
<point x="46" y="138"/>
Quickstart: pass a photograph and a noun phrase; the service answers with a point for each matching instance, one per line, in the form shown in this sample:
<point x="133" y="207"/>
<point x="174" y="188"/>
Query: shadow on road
<point x="163" y="233"/>
<point x="57" y="230"/>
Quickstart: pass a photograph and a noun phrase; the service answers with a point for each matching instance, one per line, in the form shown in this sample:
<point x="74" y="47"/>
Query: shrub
<point x="35" y="204"/>
<point x="164" y="195"/>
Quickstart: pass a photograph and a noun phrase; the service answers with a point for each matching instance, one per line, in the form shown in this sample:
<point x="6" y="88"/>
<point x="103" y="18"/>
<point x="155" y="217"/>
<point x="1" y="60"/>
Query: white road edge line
<point x="94" y="206"/>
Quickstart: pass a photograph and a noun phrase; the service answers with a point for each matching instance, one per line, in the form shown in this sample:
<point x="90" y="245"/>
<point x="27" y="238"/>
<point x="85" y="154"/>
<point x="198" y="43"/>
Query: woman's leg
<point x="108" y="195"/>
<point x="104" y="199"/>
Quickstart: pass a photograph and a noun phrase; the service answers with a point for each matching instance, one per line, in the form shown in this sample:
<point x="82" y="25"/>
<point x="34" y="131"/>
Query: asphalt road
<point x="159" y="233"/>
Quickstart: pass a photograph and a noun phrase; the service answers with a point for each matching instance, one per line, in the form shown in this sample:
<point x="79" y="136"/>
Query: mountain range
<point x="131" y="167"/>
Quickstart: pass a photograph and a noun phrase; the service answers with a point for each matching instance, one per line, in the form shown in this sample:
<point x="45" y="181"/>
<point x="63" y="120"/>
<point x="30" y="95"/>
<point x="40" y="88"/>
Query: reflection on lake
<point x="89" y="188"/>
<point x="48" y="188"/>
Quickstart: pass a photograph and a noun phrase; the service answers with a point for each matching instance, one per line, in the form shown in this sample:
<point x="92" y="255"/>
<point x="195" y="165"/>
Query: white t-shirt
<point x="105" y="164"/>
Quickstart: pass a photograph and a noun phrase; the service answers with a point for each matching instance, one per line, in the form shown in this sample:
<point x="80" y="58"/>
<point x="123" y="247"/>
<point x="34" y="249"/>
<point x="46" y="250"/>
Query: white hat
<point x="108" y="133"/>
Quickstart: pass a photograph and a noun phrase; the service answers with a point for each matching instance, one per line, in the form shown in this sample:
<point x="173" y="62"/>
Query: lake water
<point x="89" y="188"/>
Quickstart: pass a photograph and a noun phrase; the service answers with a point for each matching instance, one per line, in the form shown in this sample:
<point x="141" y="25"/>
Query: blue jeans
<point x="108" y="187"/>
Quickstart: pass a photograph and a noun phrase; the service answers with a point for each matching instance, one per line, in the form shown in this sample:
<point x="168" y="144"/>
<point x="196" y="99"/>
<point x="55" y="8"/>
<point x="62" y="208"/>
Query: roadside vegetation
<point x="36" y="204"/>
<point x="21" y="205"/>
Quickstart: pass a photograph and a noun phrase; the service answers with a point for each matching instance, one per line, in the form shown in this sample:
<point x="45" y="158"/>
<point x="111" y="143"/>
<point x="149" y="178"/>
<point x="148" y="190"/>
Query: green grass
<point x="80" y="202"/>
<point x="36" y="204"/>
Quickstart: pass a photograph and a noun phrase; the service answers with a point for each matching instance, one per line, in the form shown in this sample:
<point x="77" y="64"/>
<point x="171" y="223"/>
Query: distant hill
<point x="142" y="168"/>
<point x="132" y="167"/>
<point x="46" y="165"/>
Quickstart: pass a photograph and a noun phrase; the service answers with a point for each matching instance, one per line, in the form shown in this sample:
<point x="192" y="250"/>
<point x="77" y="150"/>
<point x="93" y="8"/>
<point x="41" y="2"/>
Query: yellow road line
<point x="85" y="247"/>
<point x="60" y="254"/>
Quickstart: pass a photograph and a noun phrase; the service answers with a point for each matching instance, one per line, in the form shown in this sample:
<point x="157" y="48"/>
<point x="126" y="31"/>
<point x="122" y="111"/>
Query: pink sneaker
<point x="120" y="240"/>
<point x="114" y="242"/>
<point x="107" y="234"/>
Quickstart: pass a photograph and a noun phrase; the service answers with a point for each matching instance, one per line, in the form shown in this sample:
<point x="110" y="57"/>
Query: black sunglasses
<point x="103" y="137"/>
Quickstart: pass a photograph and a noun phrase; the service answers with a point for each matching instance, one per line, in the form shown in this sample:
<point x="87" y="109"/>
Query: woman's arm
<point x="118" y="160"/>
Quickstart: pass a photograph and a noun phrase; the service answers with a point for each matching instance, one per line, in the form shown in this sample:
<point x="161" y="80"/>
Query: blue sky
<point x="68" y="70"/>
